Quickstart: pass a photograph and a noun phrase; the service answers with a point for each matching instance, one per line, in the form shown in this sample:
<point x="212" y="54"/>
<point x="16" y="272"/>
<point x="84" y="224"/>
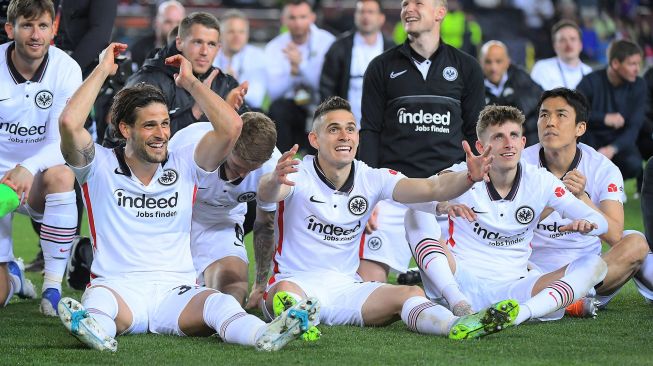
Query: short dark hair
<point x="128" y="100"/>
<point x="564" y="24"/>
<point x="201" y="18"/>
<point x="622" y="49"/>
<point x="257" y="138"/>
<point x="496" y="115"/>
<point x="378" y="2"/>
<point x="334" y="103"/>
<point x="28" y="9"/>
<point x="574" y="98"/>
<point x="297" y="2"/>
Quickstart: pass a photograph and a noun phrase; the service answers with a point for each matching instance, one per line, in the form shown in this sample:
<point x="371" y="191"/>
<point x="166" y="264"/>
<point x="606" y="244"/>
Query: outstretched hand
<point x="109" y="55"/>
<point x="286" y="165"/>
<point x="184" y="78"/>
<point x="478" y="166"/>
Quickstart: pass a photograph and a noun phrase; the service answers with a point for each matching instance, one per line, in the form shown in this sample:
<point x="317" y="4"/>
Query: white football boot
<point x="80" y="324"/>
<point x="290" y="325"/>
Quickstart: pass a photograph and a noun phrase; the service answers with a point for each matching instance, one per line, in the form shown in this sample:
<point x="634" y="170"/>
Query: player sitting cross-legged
<point x="323" y="204"/>
<point x="139" y="199"/>
<point x="486" y="253"/>
<point x="595" y="180"/>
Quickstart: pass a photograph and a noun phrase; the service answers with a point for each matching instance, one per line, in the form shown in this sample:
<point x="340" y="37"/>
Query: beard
<point x="141" y="152"/>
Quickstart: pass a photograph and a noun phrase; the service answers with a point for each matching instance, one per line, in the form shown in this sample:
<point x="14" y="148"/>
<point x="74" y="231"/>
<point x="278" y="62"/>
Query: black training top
<point x="414" y="125"/>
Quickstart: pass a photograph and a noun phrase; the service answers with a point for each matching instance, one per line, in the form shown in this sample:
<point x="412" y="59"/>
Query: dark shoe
<point x="37" y="264"/>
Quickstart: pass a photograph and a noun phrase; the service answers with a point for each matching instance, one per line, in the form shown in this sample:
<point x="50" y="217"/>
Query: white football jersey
<point x="30" y="109"/>
<point x="216" y="196"/>
<point x="140" y="231"/>
<point x="319" y="228"/>
<point x="496" y="246"/>
<point x="553" y="249"/>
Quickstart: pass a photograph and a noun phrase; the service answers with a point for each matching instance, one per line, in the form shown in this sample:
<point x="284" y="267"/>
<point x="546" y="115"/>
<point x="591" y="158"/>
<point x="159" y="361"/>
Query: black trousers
<point x="290" y="119"/>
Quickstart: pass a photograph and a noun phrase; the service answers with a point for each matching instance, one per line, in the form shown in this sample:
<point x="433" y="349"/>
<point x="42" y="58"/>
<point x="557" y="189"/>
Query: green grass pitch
<point x="622" y="334"/>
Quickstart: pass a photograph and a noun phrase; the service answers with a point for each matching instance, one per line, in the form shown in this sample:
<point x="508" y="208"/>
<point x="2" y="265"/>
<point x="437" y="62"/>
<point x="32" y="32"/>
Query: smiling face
<point x="421" y="16"/>
<point x="200" y="46"/>
<point x="507" y="144"/>
<point x="556" y="124"/>
<point x="32" y="36"/>
<point x="148" y="137"/>
<point x="335" y="138"/>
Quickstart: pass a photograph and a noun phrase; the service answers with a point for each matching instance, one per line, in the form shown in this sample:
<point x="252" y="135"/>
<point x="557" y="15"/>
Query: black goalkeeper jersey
<point x="413" y="125"/>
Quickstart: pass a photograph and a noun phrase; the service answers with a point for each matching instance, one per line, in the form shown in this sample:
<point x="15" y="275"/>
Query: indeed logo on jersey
<point x="22" y="134"/>
<point x="148" y="206"/>
<point x="332" y="232"/>
<point x="553" y="228"/>
<point x="496" y="239"/>
<point x="425" y="121"/>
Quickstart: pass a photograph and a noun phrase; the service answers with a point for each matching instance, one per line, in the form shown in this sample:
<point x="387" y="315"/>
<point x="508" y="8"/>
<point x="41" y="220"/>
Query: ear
<point x="479" y="147"/>
<point x="614" y="63"/>
<point x="581" y="127"/>
<point x="124" y="130"/>
<point x="312" y="139"/>
<point x="178" y="42"/>
<point x="523" y="141"/>
<point x="440" y="13"/>
<point x="9" y="28"/>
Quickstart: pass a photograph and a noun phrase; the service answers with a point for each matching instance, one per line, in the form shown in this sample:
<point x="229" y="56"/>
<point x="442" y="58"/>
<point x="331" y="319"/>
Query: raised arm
<point x="275" y="186"/>
<point x="448" y="186"/>
<point x="217" y="144"/>
<point x="76" y="143"/>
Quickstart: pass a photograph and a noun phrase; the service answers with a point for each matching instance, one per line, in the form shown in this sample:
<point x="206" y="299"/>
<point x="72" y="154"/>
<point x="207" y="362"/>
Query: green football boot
<point x="497" y="317"/>
<point x="283" y="301"/>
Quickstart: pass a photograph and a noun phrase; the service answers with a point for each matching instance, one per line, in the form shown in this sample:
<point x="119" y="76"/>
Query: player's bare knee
<point x="638" y="246"/>
<point x="409" y="291"/>
<point x="58" y="179"/>
<point x="288" y="286"/>
<point x="599" y="268"/>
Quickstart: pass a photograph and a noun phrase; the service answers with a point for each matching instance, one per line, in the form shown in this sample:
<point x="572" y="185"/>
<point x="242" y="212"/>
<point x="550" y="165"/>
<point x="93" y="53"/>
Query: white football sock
<point x="57" y="233"/>
<point x="423" y="316"/>
<point x="421" y="229"/>
<point x="580" y="276"/>
<point x="102" y="305"/>
<point x="224" y="314"/>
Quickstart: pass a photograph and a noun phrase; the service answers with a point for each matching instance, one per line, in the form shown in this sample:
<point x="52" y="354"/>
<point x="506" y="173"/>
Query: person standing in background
<point x="240" y="59"/>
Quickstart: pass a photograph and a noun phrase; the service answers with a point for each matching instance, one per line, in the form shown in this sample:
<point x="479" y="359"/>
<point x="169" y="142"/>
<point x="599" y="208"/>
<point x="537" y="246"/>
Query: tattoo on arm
<point x="87" y="153"/>
<point x="263" y="245"/>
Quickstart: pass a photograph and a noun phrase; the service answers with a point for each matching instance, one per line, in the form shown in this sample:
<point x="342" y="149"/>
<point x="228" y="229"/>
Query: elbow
<point x="66" y="121"/>
<point x="235" y="127"/>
